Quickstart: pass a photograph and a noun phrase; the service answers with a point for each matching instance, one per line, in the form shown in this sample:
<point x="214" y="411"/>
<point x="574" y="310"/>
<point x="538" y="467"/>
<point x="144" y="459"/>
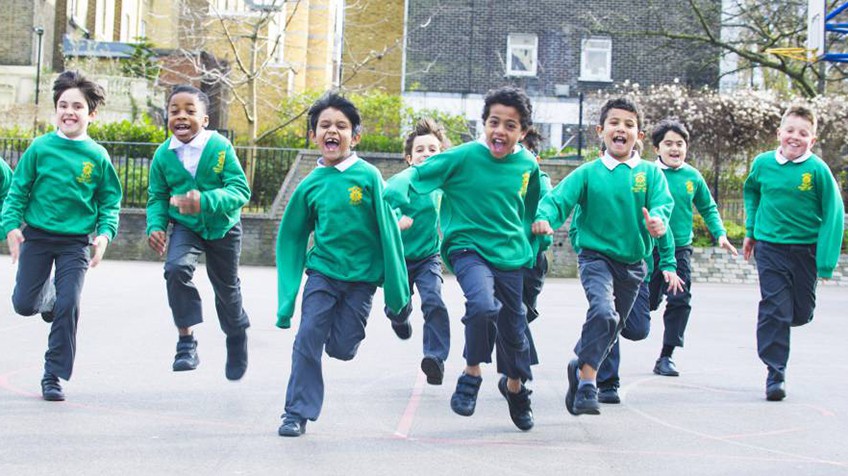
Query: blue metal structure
<point x="839" y="28"/>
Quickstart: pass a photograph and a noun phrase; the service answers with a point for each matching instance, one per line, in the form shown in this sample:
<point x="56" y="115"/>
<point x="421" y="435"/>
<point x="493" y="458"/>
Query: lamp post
<point x="40" y="32"/>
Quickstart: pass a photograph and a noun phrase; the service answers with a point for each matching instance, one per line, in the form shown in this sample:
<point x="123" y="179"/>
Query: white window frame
<point x="522" y="40"/>
<point x="595" y="45"/>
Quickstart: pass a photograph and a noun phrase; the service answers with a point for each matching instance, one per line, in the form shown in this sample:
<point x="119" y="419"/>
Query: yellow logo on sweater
<point x="640" y="182"/>
<point x="355" y="195"/>
<point x="806" y="182"/>
<point x="690" y="187"/>
<point x="87" y="169"/>
<point x="219" y="167"/>
<point x="525" y="181"/>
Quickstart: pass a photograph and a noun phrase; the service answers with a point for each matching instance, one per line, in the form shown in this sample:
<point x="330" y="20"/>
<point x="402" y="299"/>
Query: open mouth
<point x="619" y="140"/>
<point x="498" y="146"/>
<point x="332" y="144"/>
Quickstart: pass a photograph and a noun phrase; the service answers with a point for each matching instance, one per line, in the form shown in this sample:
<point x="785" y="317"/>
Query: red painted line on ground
<point x="405" y="423"/>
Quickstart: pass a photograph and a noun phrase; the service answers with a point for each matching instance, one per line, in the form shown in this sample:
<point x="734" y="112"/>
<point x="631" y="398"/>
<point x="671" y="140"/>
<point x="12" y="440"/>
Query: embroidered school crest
<point x="640" y="182"/>
<point x="85" y="175"/>
<point x="690" y="187"/>
<point x="219" y="167"/>
<point x="525" y="181"/>
<point x="806" y="182"/>
<point x="355" y="195"/>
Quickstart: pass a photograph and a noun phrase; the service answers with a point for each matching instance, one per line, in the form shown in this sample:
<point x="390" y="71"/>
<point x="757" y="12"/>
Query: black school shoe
<point x="186" y="358"/>
<point x="665" y="366"/>
<point x="403" y="330"/>
<point x="775" y="391"/>
<point x="519" y="405"/>
<point x="464" y="399"/>
<point x="608" y="395"/>
<point x="50" y="388"/>
<point x="434" y="369"/>
<point x="293" y="426"/>
<point x="236" y="356"/>
<point x="580" y="400"/>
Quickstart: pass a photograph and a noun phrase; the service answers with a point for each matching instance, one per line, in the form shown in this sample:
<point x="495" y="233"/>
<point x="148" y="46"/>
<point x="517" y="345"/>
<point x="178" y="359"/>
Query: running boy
<point x="491" y="187"/>
<point x="687" y="187"/>
<point x="793" y="227"/>
<point x="624" y="202"/>
<point x="64" y="189"/>
<point x="420" y="233"/>
<point x="198" y="185"/>
<point x="356" y="247"/>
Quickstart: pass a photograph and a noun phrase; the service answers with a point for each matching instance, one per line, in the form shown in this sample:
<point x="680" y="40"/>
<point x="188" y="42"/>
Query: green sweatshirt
<point x="5" y="181"/>
<point x="421" y="240"/>
<point x="796" y="203"/>
<point x="64" y="186"/>
<point x="611" y="202"/>
<point x="219" y="178"/>
<point x="355" y="239"/>
<point x="540" y="243"/>
<point x="487" y="201"/>
<point x="687" y="187"/>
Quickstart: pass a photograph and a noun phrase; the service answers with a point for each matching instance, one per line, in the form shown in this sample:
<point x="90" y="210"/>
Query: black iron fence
<point x="268" y="167"/>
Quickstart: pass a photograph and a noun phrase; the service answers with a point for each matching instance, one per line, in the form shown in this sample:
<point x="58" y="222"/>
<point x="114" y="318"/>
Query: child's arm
<point x="395" y="279"/>
<point x="5" y="181"/>
<point x="158" y="196"/>
<point x="16" y="201"/>
<point x="422" y="178"/>
<point x="668" y="264"/>
<point x="709" y="211"/>
<point x="292" y="239"/>
<point x="831" y="232"/>
<point x="659" y="204"/>
<point x="234" y="194"/>
<point x="555" y="207"/>
<point x="108" y="197"/>
<point x="751" y="197"/>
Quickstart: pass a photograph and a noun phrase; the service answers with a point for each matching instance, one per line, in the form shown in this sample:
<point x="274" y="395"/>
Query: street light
<point x="40" y="32"/>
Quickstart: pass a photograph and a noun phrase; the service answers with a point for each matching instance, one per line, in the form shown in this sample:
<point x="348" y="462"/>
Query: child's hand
<point x="725" y="243"/>
<point x="748" y="248"/>
<point x="542" y="227"/>
<point x="99" y="245"/>
<point x="655" y="225"/>
<point x="405" y="222"/>
<point x="189" y="204"/>
<point x="157" y="241"/>
<point x="675" y="284"/>
<point x="14" y="239"/>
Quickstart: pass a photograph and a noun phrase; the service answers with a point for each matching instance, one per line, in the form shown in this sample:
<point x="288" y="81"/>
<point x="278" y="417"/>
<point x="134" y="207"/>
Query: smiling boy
<point x="491" y="189"/>
<point x="794" y="227"/>
<point x="624" y="203"/>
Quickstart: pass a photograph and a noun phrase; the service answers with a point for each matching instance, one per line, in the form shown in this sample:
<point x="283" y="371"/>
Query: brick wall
<point x="16" y="36"/>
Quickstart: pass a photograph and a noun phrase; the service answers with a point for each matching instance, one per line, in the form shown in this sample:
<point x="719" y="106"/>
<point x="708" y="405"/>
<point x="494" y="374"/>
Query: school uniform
<point x="208" y="164"/>
<point x="484" y="219"/>
<point x="63" y="190"/>
<point x="795" y="213"/>
<point x="613" y="240"/>
<point x="424" y="267"/>
<point x="356" y="247"/>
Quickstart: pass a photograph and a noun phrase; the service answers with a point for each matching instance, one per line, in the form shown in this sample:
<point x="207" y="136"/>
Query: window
<point x="521" y="54"/>
<point x="596" y="60"/>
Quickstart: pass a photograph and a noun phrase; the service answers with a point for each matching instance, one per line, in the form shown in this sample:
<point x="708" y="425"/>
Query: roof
<point x="96" y="49"/>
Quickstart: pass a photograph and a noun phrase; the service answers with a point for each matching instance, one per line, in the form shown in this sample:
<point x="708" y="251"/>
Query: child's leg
<point x="34" y="265"/>
<point x="636" y="328"/>
<point x="477" y="281"/>
<point x="305" y="390"/>
<point x="657" y="285"/>
<point x="804" y="280"/>
<point x="513" y="348"/>
<point x="347" y="328"/>
<point x="184" y="248"/>
<point x="428" y="279"/>
<point x="222" y="261"/>
<point x="776" y="309"/>
<point x="534" y="279"/>
<point x="400" y="321"/>
<point x="71" y="264"/>
<point x="677" y="308"/>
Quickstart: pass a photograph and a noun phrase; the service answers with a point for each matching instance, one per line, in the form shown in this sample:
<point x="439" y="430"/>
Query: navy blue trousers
<point x="788" y="299"/>
<point x="677" y="306"/>
<point x="332" y="318"/>
<point x="40" y="251"/>
<point x="636" y="327"/>
<point x="222" y="260"/>
<point x="611" y="289"/>
<point x="426" y="275"/>
<point x="493" y="312"/>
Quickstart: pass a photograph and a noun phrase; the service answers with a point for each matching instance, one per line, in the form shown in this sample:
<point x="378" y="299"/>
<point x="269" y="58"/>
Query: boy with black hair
<point x="356" y="247"/>
<point x="64" y="189"/>
<point x="198" y="186"/>
<point x="491" y="190"/>
<point x="687" y="187"/>
<point x="794" y="229"/>
<point x="420" y="233"/>
<point x="624" y="204"/>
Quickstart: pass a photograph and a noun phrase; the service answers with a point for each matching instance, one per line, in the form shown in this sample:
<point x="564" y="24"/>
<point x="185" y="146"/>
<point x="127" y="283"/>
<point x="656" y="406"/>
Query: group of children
<point x="483" y="209"/>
